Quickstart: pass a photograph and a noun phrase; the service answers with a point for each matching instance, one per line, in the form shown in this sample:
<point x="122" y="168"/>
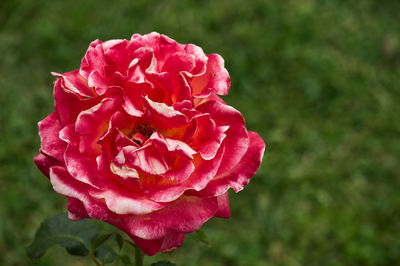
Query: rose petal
<point x="117" y="56"/>
<point x="205" y="171"/>
<point x="162" y="45"/>
<point x="94" y="60"/>
<point x="216" y="79"/>
<point x="148" y="159"/>
<point x="52" y="145"/>
<point x="173" y="145"/>
<point x="44" y="162"/>
<point x="179" y="61"/>
<point x="164" y="116"/>
<point x="181" y="170"/>
<point x="68" y="105"/>
<point x="121" y="202"/>
<point x="236" y="140"/>
<point x="240" y="175"/>
<point x="223" y="206"/>
<point x="133" y="98"/>
<point x="66" y="185"/>
<point x="207" y="137"/>
<point x="93" y="123"/>
<point x="200" y="59"/>
<point x="76" y="210"/>
<point x="75" y="83"/>
<point x="185" y="215"/>
<point x="98" y="82"/>
<point x="165" y="244"/>
<point x="83" y="168"/>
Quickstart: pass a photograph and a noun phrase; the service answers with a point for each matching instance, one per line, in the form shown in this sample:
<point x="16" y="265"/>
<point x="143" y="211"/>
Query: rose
<point x="139" y="139"/>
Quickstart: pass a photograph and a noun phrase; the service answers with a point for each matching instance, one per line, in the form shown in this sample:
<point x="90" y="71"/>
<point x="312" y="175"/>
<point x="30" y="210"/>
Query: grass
<point x="319" y="80"/>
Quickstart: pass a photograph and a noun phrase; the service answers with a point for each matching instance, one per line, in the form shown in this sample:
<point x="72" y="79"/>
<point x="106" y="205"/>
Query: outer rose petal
<point x="240" y="175"/>
<point x="223" y="206"/>
<point x="162" y="45"/>
<point x="64" y="184"/>
<point x="120" y="202"/>
<point x="200" y="57"/>
<point x="82" y="168"/>
<point x="44" y="162"/>
<point x="94" y="60"/>
<point x="76" y="209"/>
<point x="185" y="215"/>
<point x="68" y="105"/>
<point x="236" y="140"/>
<point x="177" y="62"/>
<point x="216" y="79"/>
<point x="52" y="145"/>
<point x="165" y="244"/>
<point x="75" y="83"/>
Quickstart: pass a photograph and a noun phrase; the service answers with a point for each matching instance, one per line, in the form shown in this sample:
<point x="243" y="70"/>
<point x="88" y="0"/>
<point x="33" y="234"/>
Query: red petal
<point x="164" y="116"/>
<point x="181" y="170"/>
<point x="82" y="168"/>
<point x="200" y="59"/>
<point x="94" y="60"/>
<point x="117" y="56"/>
<point x="64" y="184"/>
<point x="239" y="175"/>
<point x="148" y="159"/>
<point x="123" y="202"/>
<point x="52" y="145"/>
<point x="165" y="244"/>
<point x="98" y="82"/>
<point x="162" y="45"/>
<point x="44" y="162"/>
<point x="133" y="98"/>
<point x="69" y="105"/>
<point x="185" y="215"/>
<point x="207" y="138"/>
<point x="204" y="172"/>
<point x="216" y="79"/>
<point x="173" y="145"/>
<point x="93" y="123"/>
<point x="236" y="140"/>
<point x="76" y="210"/>
<point x="172" y="241"/>
<point x="75" y="83"/>
<point x="177" y="62"/>
<point x="223" y="206"/>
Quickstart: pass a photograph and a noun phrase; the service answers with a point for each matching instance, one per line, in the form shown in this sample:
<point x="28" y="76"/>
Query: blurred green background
<point x="319" y="80"/>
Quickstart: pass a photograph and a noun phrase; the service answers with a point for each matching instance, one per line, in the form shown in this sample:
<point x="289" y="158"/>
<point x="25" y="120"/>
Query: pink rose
<point x="140" y="139"/>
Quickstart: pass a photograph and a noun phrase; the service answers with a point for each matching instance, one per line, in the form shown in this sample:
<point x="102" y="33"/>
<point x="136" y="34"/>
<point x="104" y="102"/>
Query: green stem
<point x="138" y="256"/>
<point x="96" y="260"/>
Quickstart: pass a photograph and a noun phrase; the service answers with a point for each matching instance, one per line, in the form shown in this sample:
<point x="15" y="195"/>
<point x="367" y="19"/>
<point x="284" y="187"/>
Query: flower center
<point x="141" y="133"/>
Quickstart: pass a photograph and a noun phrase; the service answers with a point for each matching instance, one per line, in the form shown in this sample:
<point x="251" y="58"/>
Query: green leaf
<point x="163" y="263"/>
<point x="126" y="260"/>
<point x="120" y="240"/>
<point x="75" y="236"/>
<point x="106" y="254"/>
<point x="100" y="240"/>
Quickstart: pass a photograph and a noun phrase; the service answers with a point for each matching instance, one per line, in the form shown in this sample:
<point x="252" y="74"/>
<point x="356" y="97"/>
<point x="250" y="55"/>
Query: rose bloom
<point x="140" y="139"/>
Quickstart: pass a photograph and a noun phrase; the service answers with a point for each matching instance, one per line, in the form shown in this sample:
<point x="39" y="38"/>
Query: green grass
<point x="319" y="80"/>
